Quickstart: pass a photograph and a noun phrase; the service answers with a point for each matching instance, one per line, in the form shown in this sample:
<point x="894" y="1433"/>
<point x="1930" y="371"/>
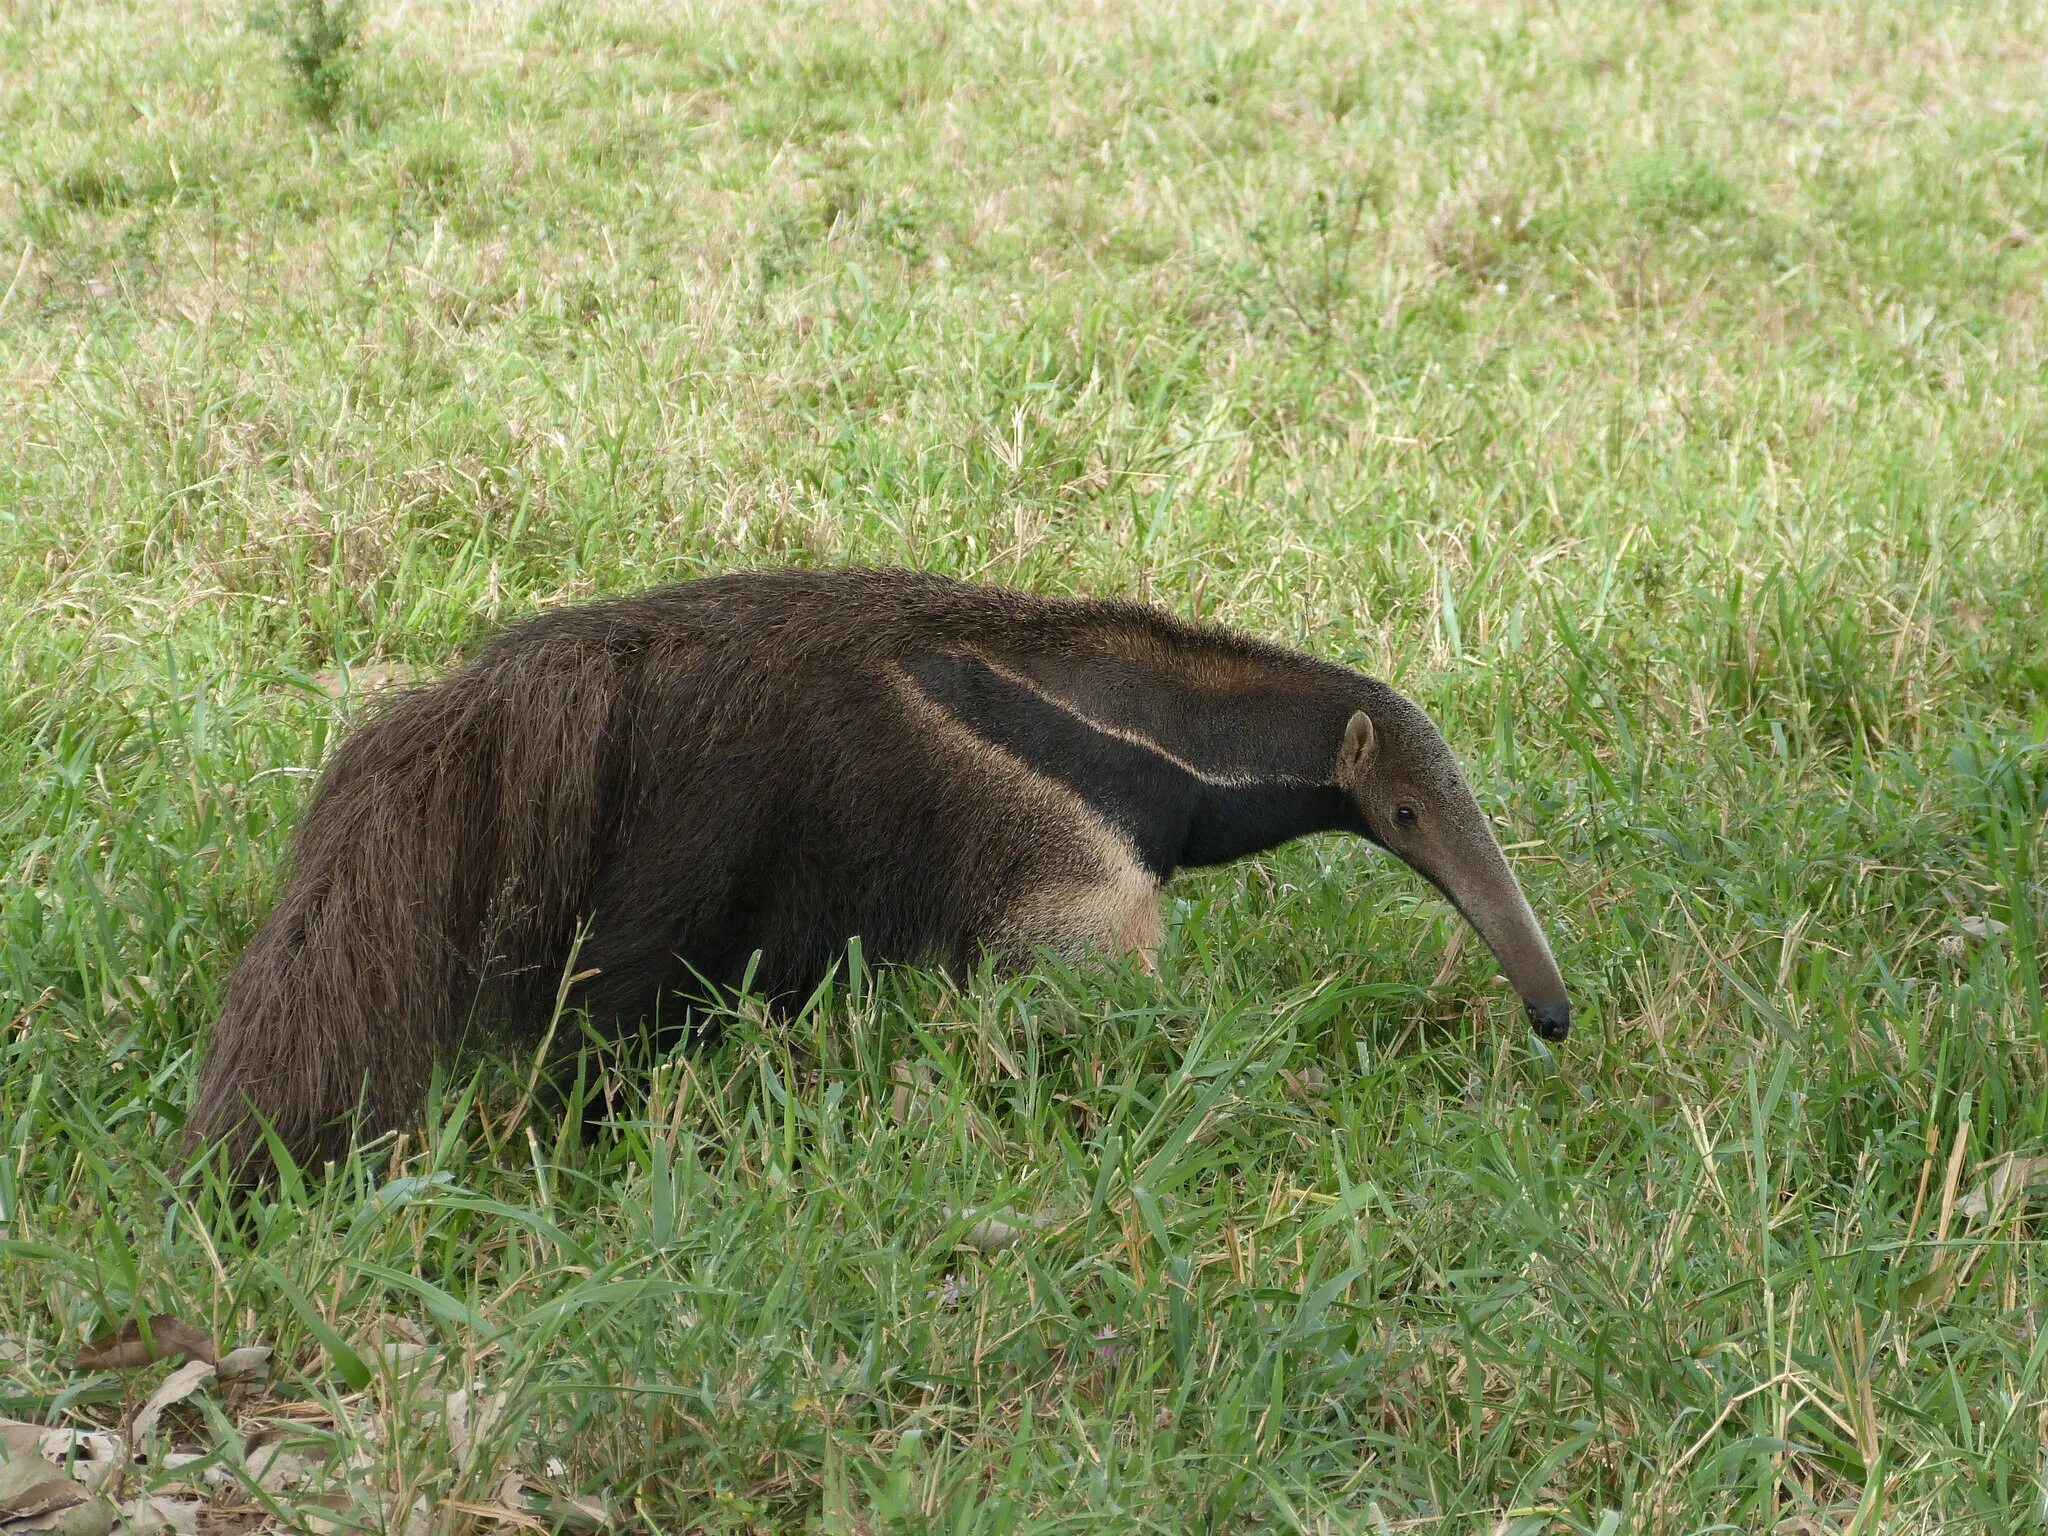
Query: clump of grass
<point x="1674" y="186"/>
<point x="1480" y="233"/>
<point x="319" y="40"/>
<point x="93" y="185"/>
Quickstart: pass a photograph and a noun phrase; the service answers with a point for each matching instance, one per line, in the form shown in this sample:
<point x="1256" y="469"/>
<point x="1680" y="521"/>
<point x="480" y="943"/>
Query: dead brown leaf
<point x="2005" y="1179"/>
<point x="94" y="1517"/>
<point x="31" y="1486"/>
<point x="519" y="1503"/>
<point x="394" y="1340"/>
<point x="1308" y="1085"/>
<point x="35" y="1455"/>
<point x="90" y="1456"/>
<point x="993" y="1234"/>
<point x="136" y="1344"/>
<point x="469" y="1418"/>
<point x="152" y="1514"/>
<point x="175" y="1388"/>
<point x="250" y="1362"/>
<point x="35" y="1496"/>
<point x="278" y="1467"/>
<point x="910" y="1100"/>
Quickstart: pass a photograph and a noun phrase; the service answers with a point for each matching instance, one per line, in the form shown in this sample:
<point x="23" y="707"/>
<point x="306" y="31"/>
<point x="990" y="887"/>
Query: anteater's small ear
<point x="1359" y="741"/>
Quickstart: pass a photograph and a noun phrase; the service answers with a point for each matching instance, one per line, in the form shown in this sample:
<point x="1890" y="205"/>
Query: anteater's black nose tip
<point x="1553" y="1021"/>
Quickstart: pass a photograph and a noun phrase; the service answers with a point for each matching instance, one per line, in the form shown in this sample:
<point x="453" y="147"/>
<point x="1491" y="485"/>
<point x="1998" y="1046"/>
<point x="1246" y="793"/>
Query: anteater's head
<point x="1415" y="804"/>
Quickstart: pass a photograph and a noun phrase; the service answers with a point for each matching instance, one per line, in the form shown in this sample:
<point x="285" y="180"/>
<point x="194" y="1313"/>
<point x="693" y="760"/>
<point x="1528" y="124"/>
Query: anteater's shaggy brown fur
<point x="768" y="765"/>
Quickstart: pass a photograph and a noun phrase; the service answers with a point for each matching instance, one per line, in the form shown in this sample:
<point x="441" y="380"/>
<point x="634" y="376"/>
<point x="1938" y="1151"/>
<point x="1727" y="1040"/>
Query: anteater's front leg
<point x="1139" y="932"/>
<point x="1096" y="899"/>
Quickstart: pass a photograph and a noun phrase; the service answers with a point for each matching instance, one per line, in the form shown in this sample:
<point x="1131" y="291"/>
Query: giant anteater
<point x="752" y="769"/>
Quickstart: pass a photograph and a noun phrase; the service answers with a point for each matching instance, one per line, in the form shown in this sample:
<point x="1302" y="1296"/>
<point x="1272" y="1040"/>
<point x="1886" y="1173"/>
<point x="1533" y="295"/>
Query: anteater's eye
<point x="1405" y="814"/>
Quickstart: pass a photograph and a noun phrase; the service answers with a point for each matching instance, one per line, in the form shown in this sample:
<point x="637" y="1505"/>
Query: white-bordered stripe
<point x="1137" y="739"/>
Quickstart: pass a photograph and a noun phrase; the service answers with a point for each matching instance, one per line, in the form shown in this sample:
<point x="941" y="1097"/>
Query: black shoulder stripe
<point x="1258" y="728"/>
<point x="1144" y="794"/>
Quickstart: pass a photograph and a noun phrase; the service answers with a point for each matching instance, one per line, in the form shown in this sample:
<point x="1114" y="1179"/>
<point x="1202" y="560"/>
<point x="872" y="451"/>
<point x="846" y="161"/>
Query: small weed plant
<point x="319" y="40"/>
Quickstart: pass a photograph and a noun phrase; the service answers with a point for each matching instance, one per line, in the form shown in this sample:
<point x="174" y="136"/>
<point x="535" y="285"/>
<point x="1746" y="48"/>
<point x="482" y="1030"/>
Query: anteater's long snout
<point x="1483" y="888"/>
<point x="1553" y="1021"/>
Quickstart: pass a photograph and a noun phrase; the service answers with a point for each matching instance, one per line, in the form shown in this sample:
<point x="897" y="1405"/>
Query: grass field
<point x="1654" y="391"/>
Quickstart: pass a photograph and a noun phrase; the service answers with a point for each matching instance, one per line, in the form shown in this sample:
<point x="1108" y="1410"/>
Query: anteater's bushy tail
<point x="448" y="849"/>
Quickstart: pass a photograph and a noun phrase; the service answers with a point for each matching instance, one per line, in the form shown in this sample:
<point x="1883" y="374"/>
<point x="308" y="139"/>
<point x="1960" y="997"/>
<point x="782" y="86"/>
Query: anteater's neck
<point x="1231" y="821"/>
<point x="1196" y="760"/>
